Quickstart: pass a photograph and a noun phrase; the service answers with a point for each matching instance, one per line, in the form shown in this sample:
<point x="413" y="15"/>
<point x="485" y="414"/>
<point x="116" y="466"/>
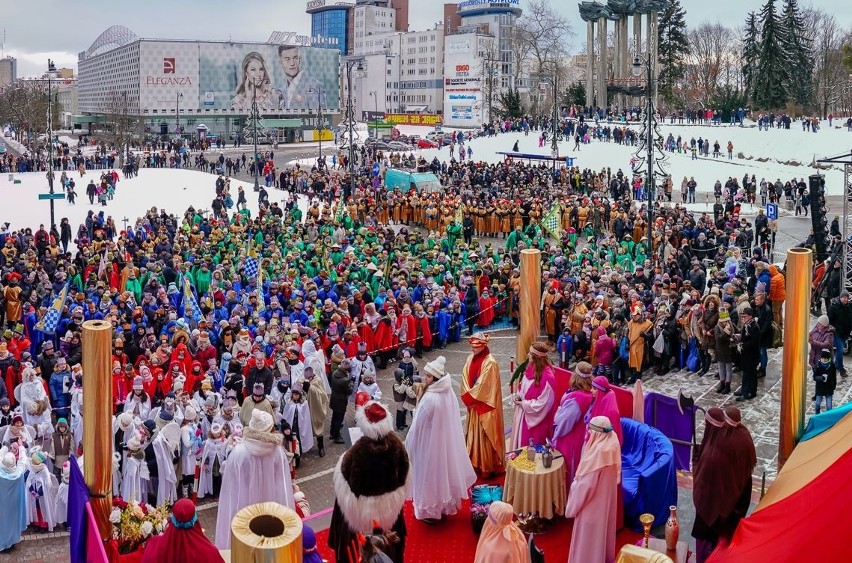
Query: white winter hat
<point x="189" y="413"/>
<point x="261" y="421"/>
<point x="125" y="421"/>
<point x="436" y="368"/>
<point x="9" y="462"/>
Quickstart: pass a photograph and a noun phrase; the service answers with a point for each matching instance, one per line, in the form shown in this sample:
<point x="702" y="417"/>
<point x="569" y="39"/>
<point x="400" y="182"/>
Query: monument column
<point x="653" y="42"/>
<point x="600" y="95"/>
<point x="623" y="48"/>
<point x="590" y="63"/>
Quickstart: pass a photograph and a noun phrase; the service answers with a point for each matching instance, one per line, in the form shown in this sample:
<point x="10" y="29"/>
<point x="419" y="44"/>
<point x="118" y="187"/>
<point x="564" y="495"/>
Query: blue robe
<point x="13" y="511"/>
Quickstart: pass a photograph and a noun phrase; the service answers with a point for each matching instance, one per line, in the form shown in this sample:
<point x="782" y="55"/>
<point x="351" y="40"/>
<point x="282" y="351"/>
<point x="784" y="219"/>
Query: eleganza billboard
<point x="228" y="77"/>
<point x="281" y="78"/>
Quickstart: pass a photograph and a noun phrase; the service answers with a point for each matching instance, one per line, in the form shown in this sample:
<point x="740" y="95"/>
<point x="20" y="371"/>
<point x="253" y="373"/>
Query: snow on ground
<point x="795" y="143"/>
<point x="171" y="189"/>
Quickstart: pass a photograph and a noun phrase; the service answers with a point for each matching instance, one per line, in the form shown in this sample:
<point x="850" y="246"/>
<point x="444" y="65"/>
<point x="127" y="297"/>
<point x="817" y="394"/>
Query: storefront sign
<point x="413" y="119"/>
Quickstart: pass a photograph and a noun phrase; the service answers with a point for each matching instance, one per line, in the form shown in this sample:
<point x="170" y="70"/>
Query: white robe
<point x="189" y="448"/>
<point x="256" y="471"/>
<point x="134" y="482"/>
<point x="166" y="477"/>
<point x="44" y="479"/>
<point x="440" y="466"/>
<point x="138" y="408"/>
<point x="215" y="449"/>
<point x="303" y="411"/>
<point x="61" y="503"/>
<point x="315" y="360"/>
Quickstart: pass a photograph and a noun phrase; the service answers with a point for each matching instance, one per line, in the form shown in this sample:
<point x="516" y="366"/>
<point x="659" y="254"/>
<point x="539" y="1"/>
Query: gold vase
<point x="647" y="521"/>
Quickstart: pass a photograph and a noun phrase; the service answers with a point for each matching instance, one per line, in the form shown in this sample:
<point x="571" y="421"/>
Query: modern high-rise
<point x="8" y="71"/>
<point x="498" y="19"/>
<point x="332" y="19"/>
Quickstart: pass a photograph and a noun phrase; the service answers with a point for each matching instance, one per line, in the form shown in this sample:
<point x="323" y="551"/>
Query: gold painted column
<point x="529" y="306"/>
<point x="97" y="420"/>
<point x="794" y="364"/>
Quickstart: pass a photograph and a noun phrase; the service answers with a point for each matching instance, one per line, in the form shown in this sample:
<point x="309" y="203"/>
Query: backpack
<point x="624" y="348"/>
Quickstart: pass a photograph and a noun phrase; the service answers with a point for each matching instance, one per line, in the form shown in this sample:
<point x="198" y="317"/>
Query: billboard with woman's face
<point x="279" y="78"/>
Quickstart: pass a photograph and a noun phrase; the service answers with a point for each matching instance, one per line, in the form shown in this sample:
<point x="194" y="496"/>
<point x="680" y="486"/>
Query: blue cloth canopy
<point x="823" y="421"/>
<point x="647" y="473"/>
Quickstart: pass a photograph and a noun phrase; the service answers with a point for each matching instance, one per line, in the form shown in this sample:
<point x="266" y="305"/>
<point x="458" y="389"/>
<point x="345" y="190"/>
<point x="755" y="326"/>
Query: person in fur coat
<point x="371" y="482"/>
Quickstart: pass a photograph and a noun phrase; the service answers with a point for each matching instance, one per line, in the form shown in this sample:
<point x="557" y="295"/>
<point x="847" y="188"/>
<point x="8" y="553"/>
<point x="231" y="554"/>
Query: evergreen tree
<point x="510" y="105"/>
<point x="797" y="50"/>
<point x="672" y="47"/>
<point x="575" y="94"/>
<point x="771" y="76"/>
<point x="751" y="51"/>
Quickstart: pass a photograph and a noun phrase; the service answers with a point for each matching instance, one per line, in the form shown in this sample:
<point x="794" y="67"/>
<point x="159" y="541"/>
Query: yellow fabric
<point x="484" y="436"/>
<point x="809" y="460"/>
<point x="637" y="343"/>
<point x="542" y="490"/>
<point x="635" y="554"/>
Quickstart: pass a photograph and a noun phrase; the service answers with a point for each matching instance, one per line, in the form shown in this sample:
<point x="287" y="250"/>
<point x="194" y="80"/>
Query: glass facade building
<point x="332" y="22"/>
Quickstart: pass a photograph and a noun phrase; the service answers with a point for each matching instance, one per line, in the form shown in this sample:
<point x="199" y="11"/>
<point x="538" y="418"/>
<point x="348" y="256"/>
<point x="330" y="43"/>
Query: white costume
<point x="257" y="470"/>
<point x="41" y="488"/>
<point x="166" y="444"/>
<point x="134" y="481"/>
<point x="216" y="449"/>
<point x="440" y="465"/>
<point x="137" y="407"/>
<point x="32" y="396"/>
<point x="61" y="503"/>
<point x="315" y="360"/>
<point x="300" y="414"/>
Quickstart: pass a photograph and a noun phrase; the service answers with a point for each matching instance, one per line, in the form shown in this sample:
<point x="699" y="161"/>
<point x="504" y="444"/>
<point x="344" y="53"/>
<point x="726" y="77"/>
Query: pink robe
<point x="592" y="504"/>
<point x="606" y="405"/>
<point x="533" y="418"/>
<point x="569" y="429"/>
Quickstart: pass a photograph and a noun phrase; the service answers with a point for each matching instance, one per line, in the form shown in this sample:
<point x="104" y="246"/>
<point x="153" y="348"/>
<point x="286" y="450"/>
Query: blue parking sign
<point x="375" y="169"/>
<point x="772" y="211"/>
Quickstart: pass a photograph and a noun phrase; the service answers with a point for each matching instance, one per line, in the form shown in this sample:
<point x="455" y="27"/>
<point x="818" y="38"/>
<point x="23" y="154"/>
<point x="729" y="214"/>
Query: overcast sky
<point x="36" y="30"/>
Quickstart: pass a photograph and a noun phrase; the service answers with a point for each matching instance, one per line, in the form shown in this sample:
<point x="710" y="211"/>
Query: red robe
<point x="486" y="311"/>
<point x="122" y="386"/>
<point x="368" y="337"/>
<point x="185" y="362"/>
<point x="422" y="324"/>
<point x="385" y="338"/>
<point x="12" y="378"/>
<point x="411" y="329"/>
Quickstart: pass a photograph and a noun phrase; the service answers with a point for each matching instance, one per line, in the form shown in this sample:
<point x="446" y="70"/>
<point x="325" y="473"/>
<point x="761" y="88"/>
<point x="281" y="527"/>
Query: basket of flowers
<point x="133" y="523"/>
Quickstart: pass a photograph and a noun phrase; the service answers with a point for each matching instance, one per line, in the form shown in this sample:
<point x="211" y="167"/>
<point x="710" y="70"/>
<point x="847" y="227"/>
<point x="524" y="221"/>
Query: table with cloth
<point x="541" y="490"/>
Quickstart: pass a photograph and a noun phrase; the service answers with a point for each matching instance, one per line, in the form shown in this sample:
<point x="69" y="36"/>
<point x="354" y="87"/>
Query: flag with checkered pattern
<point x="552" y="222"/>
<point x="190" y="304"/>
<point x="251" y="268"/>
<point x="50" y="320"/>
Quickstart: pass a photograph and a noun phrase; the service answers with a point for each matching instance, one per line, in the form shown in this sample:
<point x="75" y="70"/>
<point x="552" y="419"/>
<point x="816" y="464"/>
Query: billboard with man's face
<point x="279" y="78"/>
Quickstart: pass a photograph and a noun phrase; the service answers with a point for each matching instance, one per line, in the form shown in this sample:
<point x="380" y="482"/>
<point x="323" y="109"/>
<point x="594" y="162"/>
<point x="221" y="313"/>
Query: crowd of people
<point x="231" y="327"/>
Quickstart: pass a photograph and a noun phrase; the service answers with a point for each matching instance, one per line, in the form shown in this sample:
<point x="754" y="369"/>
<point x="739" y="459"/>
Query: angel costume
<point x="134" y="481"/>
<point x="61" y="502"/>
<point x="298" y="416"/>
<point x="441" y="469"/>
<point x="315" y="360"/>
<point x="41" y="487"/>
<point x="166" y="444"/>
<point x="213" y="458"/>
<point x="256" y="471"/>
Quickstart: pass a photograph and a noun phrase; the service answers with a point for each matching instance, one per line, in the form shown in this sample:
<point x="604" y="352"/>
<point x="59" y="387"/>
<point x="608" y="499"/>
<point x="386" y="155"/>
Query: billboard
<point x="231" y="76"/>
<point x="281" y="78"/>
<point x="413" y="118"/>
<point x="462" y="82"/>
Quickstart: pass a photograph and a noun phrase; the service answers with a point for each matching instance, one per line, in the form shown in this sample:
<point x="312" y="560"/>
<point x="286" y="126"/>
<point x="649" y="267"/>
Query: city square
<point x="380" y="288"/>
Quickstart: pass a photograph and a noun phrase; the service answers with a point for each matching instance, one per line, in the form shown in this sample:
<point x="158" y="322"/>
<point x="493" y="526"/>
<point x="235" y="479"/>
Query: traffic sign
<point x="772" y="211"/>
<point x="60" y="195"/>
<point x="569" y="161"/>
<point x="375" y="169"/>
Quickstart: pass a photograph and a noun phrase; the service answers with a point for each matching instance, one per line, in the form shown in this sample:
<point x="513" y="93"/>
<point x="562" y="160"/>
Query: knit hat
<point x="38" y="458"/>
<point x="137" y="383"/>
<point x="724" y="316"/>
<point x="190" y="414"/>
<point x="9" y="462"/>
<point x="436" y="368"/>
<point x="825" y="354"/>
<point x="373" y="420"/>
<point x="258" y="390"/>
<point x="823" y="320"/>
<point x="261" y="421"/>
<point x="125" y="421"/>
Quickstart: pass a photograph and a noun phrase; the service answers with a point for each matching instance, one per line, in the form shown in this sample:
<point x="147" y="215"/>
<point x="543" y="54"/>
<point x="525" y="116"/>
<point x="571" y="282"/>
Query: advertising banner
<point x="281" y="78"/>
<point x="413" y="119"/>
<point x="168" y="75"/>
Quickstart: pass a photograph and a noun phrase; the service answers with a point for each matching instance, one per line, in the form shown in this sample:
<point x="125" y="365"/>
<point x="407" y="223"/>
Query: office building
<point x="8" y="71"/>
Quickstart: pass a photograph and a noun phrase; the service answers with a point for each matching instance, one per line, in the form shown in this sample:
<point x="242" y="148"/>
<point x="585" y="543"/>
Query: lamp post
<point x="350" y="116"/>
<point x="320" y="125"/>
<point x="375" y="115"/>
<point x="254" y="117"/>
<point x="649" y="143"/>
<point x="51" y="72"/>
<point x="178" y="98"/>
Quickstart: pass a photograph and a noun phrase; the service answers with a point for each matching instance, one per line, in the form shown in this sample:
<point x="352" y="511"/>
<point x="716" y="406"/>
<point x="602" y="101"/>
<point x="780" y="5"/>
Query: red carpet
<point x="453" y="540"/>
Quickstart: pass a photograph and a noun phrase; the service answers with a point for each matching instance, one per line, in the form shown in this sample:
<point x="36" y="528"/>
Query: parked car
<point x="398" y="146"/>
<point x="380" y="146"/>
<point x="427" y="144"/>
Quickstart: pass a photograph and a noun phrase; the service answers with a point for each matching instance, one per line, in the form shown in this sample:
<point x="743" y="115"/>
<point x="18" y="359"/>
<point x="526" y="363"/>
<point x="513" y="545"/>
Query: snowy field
<point x="171" y="189"/>
<point x="776" y="147"/>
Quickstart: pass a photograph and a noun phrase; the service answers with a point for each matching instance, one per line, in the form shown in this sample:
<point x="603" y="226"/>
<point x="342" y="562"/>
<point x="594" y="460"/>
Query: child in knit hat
<point x="825" y="376"/>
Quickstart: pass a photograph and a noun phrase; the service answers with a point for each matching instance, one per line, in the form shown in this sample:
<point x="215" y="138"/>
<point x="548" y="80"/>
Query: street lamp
<point x="178" y="98"/>
<point x="375" y="115"/>
<point x="320" y="125"/>
<point x="350" y="116"/>
<point x="649" y="144"/>
<point x="255" y="117"/>
<point x="51" y="73"/>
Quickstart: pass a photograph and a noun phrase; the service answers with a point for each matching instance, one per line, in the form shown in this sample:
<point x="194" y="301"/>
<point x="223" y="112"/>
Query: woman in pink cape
<point x="535" y="400"/>
<point x="569" y="425"/>
<point x="605" y="404"/>
<point x="593" y="497"/>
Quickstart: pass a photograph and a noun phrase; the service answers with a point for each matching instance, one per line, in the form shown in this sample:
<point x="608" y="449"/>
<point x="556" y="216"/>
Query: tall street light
<point x="375" y="115"/>
<point x="51" y="73"/>
<point x="649" y="143"/>
<point x="358" y="64"/>
<point x="255" y="117"/>
<point x="178" y="98"/>
<point x="320" y="124"/>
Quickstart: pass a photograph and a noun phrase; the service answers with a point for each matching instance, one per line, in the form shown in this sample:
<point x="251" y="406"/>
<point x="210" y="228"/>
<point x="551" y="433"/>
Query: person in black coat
<point x="260" y="373"/>
<point x="763" y="316"/>
<point x="825" y="376"/>
<point x="840" y="317"/>
<point x="749" y="344"/>
<point x="341" y="389"/>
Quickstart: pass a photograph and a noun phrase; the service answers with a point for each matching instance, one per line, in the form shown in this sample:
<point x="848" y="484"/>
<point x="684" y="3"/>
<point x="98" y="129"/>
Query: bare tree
<point x="545" y="35"/>
<point x="828" y="61"/>
<point x="710" y="47"/>
<point x="122" y="125"/>
<point x="24" y="106"/>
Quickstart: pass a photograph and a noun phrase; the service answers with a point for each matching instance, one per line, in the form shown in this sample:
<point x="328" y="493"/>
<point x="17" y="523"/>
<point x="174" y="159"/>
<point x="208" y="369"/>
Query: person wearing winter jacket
<point x="825" y="376"/>
<point x="777" y="293"/>
<point x="840" y="317"/>
<point x="723" y="346"/>
<point x="341" y="388"/>
<point x="820" y="338"/>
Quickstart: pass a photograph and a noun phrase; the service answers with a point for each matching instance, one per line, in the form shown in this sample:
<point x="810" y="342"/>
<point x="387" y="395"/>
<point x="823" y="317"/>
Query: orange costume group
<point x="481" y="394"/>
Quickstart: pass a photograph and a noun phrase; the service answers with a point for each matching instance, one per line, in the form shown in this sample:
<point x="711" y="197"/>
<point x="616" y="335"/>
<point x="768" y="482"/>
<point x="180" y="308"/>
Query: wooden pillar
<point x="97" y="420"/>
<point x="794" y="366"/>
<point x="529" y="306"/>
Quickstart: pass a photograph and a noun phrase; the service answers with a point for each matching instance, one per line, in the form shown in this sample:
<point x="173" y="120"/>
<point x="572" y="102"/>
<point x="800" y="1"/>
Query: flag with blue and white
<point x="50" y="320"/>
<point x="191" y="310"/>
